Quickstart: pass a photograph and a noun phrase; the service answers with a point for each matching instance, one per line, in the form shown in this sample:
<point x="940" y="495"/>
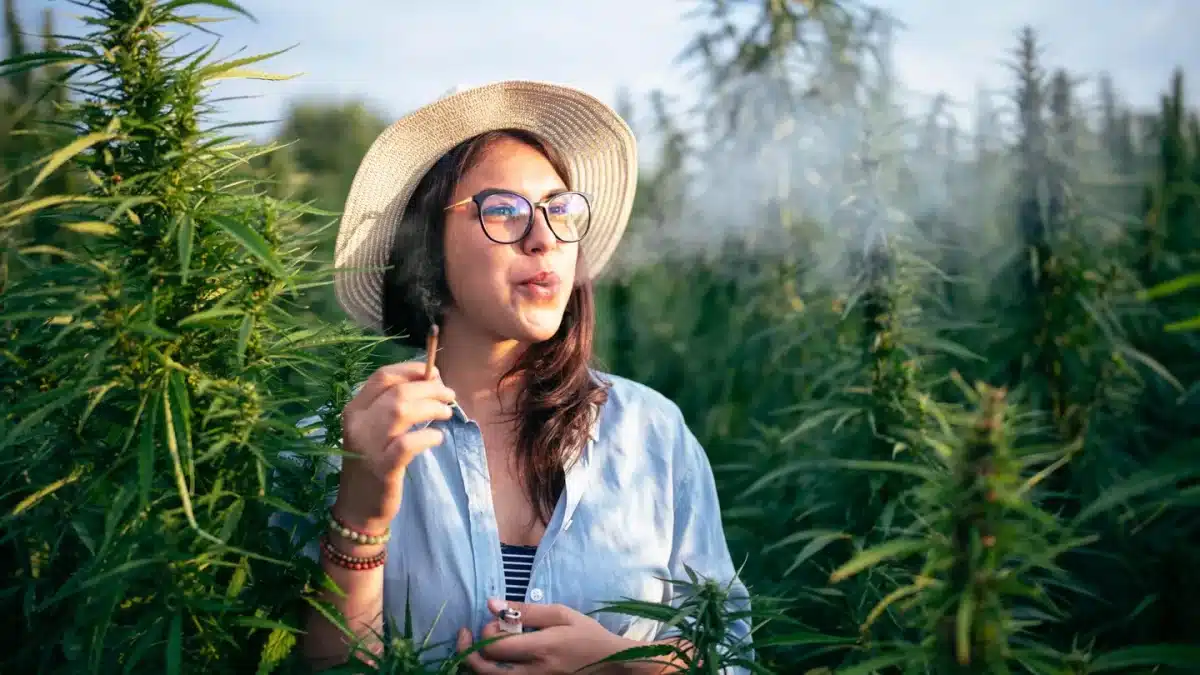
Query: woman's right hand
<point x="378" y="434"/>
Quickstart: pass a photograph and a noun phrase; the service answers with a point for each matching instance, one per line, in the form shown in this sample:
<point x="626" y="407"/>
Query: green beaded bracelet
<point x="358" y="537"/>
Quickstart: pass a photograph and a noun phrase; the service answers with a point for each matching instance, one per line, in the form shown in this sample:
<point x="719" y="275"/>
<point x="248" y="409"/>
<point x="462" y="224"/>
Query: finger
<point x="414" y="389"/>
<point x="535" y="615"/>
<point x="397" y="399"/>
<point x="385" y="377"/>
<point x="464" y="640"/>
<point x="404" y="448"/>
<point x="462" y="644"/>
<point x="493" y="636"/>
<point x="514" y="648"/>
<point x="406" y="413"/>
<point x="481" y="665"/>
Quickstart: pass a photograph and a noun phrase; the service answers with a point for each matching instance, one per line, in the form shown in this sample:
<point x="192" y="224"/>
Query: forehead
<point x="510" y="164"/>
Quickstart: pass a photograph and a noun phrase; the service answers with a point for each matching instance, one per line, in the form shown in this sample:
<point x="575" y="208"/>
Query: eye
<point x="504" y="206"/>
<point x="568" y="205"/>
<point x="500" y="211"/>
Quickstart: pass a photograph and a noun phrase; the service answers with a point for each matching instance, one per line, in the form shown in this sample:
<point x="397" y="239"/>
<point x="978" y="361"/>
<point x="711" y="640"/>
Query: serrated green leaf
<point x="147" y="445"/>
<point x="237" y="581"/>
<point x="185" y="238"/>
<point x="46" y="490"/>
<point x="279" y="645"/>
<point x="210" y="316"/>
<point x="1173" y="656"/>
<point x="803" y="638"/>
<point x="175" y="645"/>
<point x="15" y="211"/>
<point x="59" y="157"/>
<point x="963" y="622"/>
<point x="814" y="547"/>
<point x="181" y="413"/>
<point x="244" y="338"/>
<point x="26" y="62"/>
<point x="876" y="665"/>
<point x="1149" y="361"/>
<point x="268" y="624"/>
<point x="252" y="241"/>
<point x="1137" y="486"/>
<point x="1172" y="287"/>
<point x="233" y="516"/>
<point x="897" y="548"/>
<point x="222" y="4"/>
<point x="213" y="70"/>
<point x="148" y="638"/>
<point x="244" y="74"/>
<point x="1191" y="324"/>
<point x="94" y="227"/>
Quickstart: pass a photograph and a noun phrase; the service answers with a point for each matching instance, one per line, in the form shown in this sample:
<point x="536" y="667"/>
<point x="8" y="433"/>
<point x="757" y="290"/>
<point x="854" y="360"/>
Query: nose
<point x="540" y="239"/>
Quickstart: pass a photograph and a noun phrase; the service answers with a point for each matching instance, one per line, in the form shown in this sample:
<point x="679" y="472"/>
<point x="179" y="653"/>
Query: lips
<point x="545" y="279"/>
<point x="541" y="287"/>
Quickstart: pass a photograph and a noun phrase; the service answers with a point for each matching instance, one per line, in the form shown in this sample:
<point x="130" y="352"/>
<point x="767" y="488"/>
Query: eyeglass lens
<point x="506" y="217"/>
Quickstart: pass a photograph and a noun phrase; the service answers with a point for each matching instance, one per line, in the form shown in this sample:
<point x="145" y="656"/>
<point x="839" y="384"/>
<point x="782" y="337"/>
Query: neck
<point x="472" y="363"/>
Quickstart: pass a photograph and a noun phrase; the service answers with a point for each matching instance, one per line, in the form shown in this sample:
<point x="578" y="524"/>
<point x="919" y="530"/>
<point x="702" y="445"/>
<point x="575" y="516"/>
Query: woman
<point x="515" y="476"/>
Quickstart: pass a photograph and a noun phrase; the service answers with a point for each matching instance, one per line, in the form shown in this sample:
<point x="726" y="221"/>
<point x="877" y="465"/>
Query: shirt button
<point x="536" y="595"/>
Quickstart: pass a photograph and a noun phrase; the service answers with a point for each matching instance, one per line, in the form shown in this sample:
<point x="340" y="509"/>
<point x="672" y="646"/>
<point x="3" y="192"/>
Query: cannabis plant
<point x="989" y="574"/>
<point x="142" y="406"/>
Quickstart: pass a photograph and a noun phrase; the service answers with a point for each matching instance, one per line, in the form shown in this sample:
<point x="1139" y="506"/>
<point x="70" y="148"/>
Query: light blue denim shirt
<point x="639" y="505"/>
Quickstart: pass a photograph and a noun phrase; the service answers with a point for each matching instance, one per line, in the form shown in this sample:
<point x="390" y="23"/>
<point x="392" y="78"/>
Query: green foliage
<point x="828" y="402"/>
<point x="143" y="411"/>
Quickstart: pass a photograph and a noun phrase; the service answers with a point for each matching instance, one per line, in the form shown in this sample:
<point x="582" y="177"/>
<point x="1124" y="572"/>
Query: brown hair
<point x="553" y="407"/>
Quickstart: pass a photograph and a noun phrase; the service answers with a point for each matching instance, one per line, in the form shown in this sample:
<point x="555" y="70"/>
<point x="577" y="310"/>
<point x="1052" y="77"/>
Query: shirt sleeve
<point x="699" y="544"/>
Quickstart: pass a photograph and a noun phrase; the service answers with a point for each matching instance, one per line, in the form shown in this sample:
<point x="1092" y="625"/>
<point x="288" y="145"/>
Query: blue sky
<point x="399" y="54"/>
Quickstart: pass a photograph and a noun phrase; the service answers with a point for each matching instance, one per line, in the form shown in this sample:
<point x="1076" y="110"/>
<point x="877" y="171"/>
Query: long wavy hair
<point x="557" y="392"/>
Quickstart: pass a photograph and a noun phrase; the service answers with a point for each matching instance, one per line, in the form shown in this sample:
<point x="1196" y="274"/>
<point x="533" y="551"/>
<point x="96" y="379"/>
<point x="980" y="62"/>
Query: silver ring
<point x="510" y="620"/>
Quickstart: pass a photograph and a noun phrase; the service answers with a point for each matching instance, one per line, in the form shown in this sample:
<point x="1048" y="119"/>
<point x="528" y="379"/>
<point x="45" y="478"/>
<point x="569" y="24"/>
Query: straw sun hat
<point x="598" y="146"/>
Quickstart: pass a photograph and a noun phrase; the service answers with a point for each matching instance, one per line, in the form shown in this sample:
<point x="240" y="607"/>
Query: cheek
<point x="573" y="268"/>
<point x="473" y="267"/>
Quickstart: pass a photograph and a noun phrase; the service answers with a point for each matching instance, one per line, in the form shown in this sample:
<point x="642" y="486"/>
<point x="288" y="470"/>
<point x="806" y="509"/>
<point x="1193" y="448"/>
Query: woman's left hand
<point x="565" y="642"/>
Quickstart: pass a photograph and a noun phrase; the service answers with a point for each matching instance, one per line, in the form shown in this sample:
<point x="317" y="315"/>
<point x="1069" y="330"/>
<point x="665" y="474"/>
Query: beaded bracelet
<point x="358" y="537"/>
<point x="352" y="562"/>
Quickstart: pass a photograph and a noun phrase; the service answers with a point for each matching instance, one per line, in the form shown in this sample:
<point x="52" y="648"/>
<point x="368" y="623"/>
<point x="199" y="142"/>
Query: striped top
<point x="518" y="562"/>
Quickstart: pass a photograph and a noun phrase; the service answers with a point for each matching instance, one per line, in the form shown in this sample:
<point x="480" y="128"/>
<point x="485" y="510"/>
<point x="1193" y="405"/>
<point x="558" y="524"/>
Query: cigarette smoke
<point x="797" y="170"/>
<point x="824" y="177"/>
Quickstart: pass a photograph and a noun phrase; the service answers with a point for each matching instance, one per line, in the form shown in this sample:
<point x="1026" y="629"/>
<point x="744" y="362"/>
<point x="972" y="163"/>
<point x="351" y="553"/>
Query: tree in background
<point x="31" y="101"/>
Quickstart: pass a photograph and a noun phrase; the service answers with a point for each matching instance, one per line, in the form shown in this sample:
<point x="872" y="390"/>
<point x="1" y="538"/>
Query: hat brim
<point x="597" y="145"/>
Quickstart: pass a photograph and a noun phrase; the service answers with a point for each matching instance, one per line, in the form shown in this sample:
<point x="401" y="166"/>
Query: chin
<point x="539" y="332"/>
<point x="538" y="326"/>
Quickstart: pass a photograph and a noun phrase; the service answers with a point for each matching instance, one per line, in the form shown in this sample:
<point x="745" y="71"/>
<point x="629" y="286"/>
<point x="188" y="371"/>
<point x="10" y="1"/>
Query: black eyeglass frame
<point x="480" y="196"/>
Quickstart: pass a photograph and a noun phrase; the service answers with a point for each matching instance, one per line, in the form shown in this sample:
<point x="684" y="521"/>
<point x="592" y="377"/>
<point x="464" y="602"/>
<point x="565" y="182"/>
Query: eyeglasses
<point x="507" y="217"/>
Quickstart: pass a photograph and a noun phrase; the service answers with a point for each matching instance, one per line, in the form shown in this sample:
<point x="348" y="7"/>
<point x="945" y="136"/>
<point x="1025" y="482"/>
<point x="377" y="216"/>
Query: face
<point x="508" y="291"/>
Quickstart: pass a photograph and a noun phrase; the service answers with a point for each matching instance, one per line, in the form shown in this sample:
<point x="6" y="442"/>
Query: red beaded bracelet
<point x="351" y="562"/>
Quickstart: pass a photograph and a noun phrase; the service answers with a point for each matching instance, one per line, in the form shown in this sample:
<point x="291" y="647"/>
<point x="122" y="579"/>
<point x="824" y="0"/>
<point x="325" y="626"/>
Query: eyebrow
<point x="548" y="195"/>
